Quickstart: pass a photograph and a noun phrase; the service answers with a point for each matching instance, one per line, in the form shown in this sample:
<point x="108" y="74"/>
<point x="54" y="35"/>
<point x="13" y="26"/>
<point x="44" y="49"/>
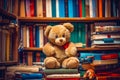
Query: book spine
<point x="66" y="8"/>
<point x="61" y="8"/>
<point x="44" y="7"/>
<point x="80" y="8"/>
<point x="109" y="56"/>
<point x="32" y="8"/>
<point x="70" y="8"/>
<point x="39" y="9"/>
<point x="57" y="8"/>
<point x="53" y="3"/>
<point x="100" y="8"/>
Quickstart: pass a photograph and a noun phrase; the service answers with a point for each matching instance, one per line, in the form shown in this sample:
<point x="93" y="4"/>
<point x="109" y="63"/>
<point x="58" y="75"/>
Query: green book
<point x="60" y="71"/>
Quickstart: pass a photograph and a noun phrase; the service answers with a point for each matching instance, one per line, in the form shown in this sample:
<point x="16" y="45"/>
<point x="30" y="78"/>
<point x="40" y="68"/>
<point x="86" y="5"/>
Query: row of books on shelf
<point x="33" y="35"/>
<point x="37" y="58"/>
<point x="69" y="8"/>
<point x="7" y="39"/>
<point x="10" y="6"/>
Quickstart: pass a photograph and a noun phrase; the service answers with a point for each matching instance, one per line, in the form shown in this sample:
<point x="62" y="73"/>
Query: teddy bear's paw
<point x="71" y="51"/>
<point x="71" y="62"/>
<point x="51" y="62"/>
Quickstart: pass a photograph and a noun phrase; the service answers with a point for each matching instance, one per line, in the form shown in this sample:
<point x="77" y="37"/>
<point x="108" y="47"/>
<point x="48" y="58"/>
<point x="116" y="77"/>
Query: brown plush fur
<point x="57" y="55"/>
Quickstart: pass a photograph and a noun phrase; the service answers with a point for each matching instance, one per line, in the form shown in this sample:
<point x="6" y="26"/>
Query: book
<point x="39" y="8"/>
<point x="87" y="6"/>
<point x="103" y="42"/>
<point x="104" y="67"/>
<point x="101" y="62"/>
<point x="22" y="8"/>
<point x="61" y="8"/>
<point x="57" y="8"/>
<point x="48" y="8"/>
<point x="60" y="71"/>
<point x="64" y="76"/>
<point x="110" y="56"/>
<point x="102" y="36"/>
<point x="53" y="6"/>
<point x="70" y="8"/>
<point x="32" y="8"/>
<point x="20" y="68"/>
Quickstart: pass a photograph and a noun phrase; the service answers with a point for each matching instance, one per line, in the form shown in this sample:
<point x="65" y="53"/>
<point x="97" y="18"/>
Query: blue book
<point x="31" y="76"/>
<point x="75" y="8"/>
<point x="97" y="56"/>
<point x="37" y="35"/>
<point x="53" y="2"/>
<point x="61" y="8"/>
<point x="94" y="8"/>
<point x="70" y="8"/>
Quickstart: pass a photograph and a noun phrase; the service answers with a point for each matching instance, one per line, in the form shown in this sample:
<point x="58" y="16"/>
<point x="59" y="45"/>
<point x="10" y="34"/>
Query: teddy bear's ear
<point x="69" y="26"/>
<point x="47" y="30"/>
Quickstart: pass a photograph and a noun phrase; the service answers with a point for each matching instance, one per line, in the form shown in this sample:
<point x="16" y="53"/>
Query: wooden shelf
<point x="32" y="49"/>
<point x="79" y="49"/>
<point x="8" y="63"/>
<point x="7" y="14"/>
<point x="66" y="19"/>
<point x="97" y="49"/>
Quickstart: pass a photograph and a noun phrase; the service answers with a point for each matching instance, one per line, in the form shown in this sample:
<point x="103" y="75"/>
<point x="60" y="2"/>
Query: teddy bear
<point x="59" y="50"/>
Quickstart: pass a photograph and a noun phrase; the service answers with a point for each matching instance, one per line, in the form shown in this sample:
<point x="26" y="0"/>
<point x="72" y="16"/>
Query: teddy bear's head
<point x="59" y="34"/>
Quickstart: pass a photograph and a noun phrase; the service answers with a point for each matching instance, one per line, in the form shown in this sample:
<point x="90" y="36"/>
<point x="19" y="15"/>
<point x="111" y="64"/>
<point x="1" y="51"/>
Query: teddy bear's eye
<point x="63" y="35"/>
<point x="56" y="36"/>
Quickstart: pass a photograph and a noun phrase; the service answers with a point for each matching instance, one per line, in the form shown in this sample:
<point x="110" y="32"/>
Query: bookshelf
<point x="8" y="43"/>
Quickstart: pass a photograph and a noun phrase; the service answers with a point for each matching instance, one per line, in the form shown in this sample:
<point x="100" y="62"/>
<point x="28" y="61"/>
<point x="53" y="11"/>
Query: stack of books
<point x="24" y="72"/>
<point x="105" y="35"/>
<point x="62" y="74"/>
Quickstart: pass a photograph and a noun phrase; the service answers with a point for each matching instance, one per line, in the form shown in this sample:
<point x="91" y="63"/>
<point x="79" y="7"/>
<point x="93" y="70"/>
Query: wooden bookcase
<point x="5" y="21"/>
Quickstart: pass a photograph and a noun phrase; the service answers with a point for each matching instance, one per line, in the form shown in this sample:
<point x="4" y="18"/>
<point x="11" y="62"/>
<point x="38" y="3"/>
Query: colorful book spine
<point x="100" y="8"/>
<point x="53" y="4"/>
<point x="32" y="8"/>
<point x="39" y="7"/>
<point x="70" y="8"/>
<point x="57" y="8"/>
<point x="80" y="8"/>
<point x="110" y="56"/>
<point x="48" y="8"/>
<point x="61" y="8"/>
<point x="44" y="7"/>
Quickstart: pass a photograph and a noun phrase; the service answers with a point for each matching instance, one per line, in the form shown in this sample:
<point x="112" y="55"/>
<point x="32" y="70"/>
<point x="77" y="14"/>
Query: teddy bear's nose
<point x="61" y="40"/>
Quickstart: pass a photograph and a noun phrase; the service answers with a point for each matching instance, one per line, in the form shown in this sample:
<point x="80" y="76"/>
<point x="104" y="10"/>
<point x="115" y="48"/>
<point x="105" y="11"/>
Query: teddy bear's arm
<point x="48" y="50"/>
<point x="71" y="50"/>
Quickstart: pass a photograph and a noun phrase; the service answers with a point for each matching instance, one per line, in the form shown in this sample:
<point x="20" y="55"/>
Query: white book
<point x="102" y="62"/>
<point x="48" y="8"/>
<point x="91" y="8"/>
<point x="39" y="8"/>
<point x="64" y="75"/>
<point x="41" y="36"/>
<point x="57" y="8"/>
<point x="28" y="41"/>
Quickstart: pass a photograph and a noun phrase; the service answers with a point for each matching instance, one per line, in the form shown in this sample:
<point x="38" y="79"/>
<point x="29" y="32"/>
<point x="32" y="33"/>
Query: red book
<point x="31" y="38"/>
<point x="37" y="57"/>
<point x="80" y="8"/>
<point x="109" y="56"/>
<point x="32" y="9"/>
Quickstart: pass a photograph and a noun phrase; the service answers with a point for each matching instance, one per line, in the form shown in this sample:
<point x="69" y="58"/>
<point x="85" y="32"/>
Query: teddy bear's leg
<point x="51" y="62"/>
<point x="71" y="62"/>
